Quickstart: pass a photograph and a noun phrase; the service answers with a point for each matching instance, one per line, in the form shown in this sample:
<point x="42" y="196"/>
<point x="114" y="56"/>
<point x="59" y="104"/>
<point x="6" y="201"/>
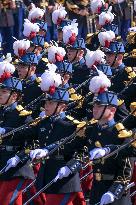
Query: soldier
<point x="52" y="131"/>
<point x="112" y="175"/>
<point x="114" y="57"/>
<point x="58" y="18"/>
<point x="26" y="68"/>
<point x="75" y="53"/>
<point x="12" y="115"/>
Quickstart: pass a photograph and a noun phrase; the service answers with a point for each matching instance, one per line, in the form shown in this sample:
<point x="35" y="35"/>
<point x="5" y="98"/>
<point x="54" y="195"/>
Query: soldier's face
<point x="22" y="71"/>
<point x="66" y="78"/>
<point x="110" y="58"/>
<point x="72" y="54"/>
<point x="4" y="96"/>
<point x="60" y="35"/>
<point x="98" y="112"/>
<point x="50" y="107"/>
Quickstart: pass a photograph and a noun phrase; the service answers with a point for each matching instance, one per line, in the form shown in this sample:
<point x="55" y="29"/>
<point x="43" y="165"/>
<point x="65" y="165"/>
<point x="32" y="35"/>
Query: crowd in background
<point x="13" y="13"/>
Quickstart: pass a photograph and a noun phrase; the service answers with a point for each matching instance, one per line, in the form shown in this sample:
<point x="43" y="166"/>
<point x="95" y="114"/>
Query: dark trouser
<point x="124" y="26"/>
<point x="19" y="20"/>
<point x="7" y="40"/>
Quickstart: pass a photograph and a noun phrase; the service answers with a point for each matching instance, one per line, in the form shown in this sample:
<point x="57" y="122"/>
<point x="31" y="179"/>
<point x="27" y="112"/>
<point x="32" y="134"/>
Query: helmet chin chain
<point x="103" y="112"/>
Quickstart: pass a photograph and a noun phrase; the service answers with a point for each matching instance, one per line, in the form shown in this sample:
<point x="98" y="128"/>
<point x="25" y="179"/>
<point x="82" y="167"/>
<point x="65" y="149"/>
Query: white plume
<point x="69" y="30"/>
<point x="106" y="17"/>
<point x="53" y="50"/>
<point x="88" y="58"/>
<point x="106" y="36"/>
<point x="5" y="66"/>
<point x="52" y="67"/>
<point x="99" y="82"/>
<point x="59" y="13"/>
<point x="50" y="78"/>
<point x="20" y="44"/>
<point x="8" y="57"/>
<point x="35" y="13"/>
<point x="30" y="27"/>
<point x="98" y="57"/>
<point x="96" y="4"/>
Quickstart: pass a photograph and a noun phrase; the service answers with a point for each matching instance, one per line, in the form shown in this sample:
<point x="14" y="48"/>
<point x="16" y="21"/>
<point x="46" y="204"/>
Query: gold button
<point x="98" y="144"/>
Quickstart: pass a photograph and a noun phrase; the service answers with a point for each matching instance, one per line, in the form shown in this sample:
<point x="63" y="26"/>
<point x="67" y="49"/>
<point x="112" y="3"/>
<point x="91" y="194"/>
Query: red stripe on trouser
<point x="56" y="199"/>
<point x="7" y="189"/>
<point x="40" y="200"/>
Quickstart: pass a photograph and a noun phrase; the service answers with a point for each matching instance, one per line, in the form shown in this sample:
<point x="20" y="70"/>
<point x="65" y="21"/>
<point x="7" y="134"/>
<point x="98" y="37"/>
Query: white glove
<point x="38" y="153"/>
<point x="42" y="114"/>
<point x="97" y="153"/>
<point x="2" y="131"/>
<point x="12" y="162"/>
<point x="107" y="198"/>
<point x="63" y="172"/>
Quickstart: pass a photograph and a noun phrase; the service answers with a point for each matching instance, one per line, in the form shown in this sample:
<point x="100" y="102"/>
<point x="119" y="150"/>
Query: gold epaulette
<point x="131" y="37"/>
<point x="27" y="151"/>
<point x="123" y="133"/>
<point x="93" y="121"/>
<point x="118" y="38"/>
<point x="15" y="62"/>
<point x="134" y="143"/>
<point x="131" y="72"/>
<point x="133" y="53"/>
<point x="73" y="95"/>
<point x="71" y="91"/>
<point x="38" y="80"/>
<point x="120" y="102"/>
<point x="22" y="111"/>
<point x="77" y="122"/>
<point x="46" y="45"/>
<point x="45" y="60"/>
<point x="79" y="125"/>
<point x="133" y="108"/>
<point x="89" y="38"/>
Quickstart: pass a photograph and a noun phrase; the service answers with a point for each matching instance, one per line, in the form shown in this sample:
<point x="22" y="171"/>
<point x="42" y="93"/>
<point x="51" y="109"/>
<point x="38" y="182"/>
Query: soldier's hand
<point x="97" y="153"/>
<point x="107" y="198"/>
<point x="63" y="172"/>
<point x="38" y="153"/>
<point x="13" y="162"/>
<point x="2" y="131"/>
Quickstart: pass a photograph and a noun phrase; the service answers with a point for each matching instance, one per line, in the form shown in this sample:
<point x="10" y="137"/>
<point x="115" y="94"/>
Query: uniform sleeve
<point x="129" y="151"/>
<point x="122" y="177"/>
